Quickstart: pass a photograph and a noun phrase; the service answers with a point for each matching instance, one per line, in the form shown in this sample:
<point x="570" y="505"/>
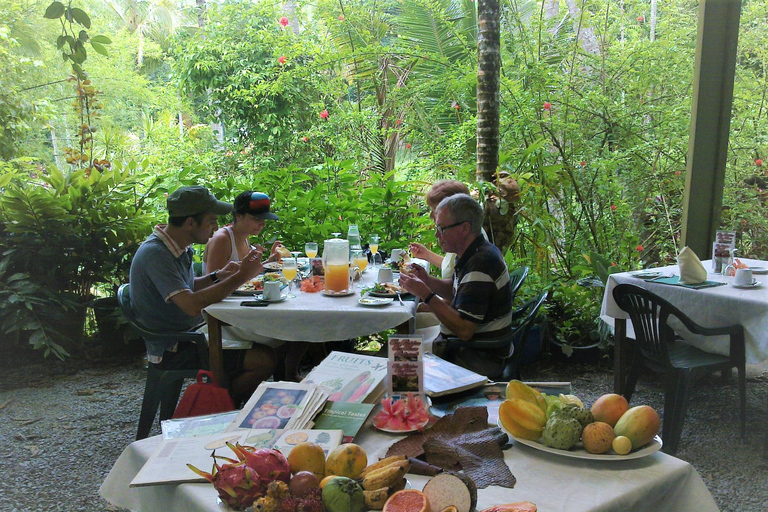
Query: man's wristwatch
<point x="429" y="298"/>
<point x="213" y="277"/>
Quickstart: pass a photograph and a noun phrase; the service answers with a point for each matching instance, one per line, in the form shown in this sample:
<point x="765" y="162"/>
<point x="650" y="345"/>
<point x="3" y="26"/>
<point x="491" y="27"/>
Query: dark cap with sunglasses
<point x="256" y="204"/>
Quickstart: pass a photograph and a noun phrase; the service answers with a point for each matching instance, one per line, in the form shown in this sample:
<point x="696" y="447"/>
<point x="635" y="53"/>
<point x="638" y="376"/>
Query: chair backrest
<point x="516" y="278"/>
<point x="649" y="314"/>
<point x="528" y="311"/>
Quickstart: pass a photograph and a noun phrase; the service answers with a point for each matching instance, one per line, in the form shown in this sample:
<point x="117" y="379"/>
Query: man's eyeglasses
<point x="442" y="230"/>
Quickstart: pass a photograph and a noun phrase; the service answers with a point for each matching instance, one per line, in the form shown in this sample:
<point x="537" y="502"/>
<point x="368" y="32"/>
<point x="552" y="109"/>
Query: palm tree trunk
<point x="488" y="66"/>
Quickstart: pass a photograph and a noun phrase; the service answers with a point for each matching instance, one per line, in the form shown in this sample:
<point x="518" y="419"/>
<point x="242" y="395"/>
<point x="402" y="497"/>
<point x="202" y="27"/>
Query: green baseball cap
<point x="188" y="201"/>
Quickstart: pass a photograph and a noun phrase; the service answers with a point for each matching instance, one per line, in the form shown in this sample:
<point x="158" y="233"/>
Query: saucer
<point x="345" y="293"/>
<point x="759" y="270"/>
<point x="753" y="284"/>
<point x="281" y="299"/>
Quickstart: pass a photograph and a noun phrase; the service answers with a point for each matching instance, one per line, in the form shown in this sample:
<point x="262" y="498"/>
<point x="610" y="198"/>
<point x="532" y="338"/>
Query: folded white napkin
<point x="691" y="269"/>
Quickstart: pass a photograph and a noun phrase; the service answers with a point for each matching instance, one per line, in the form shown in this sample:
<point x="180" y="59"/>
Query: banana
<point x="386" y="476"/>
<point x="382" y="463"/>
<point x="376" y="498"/>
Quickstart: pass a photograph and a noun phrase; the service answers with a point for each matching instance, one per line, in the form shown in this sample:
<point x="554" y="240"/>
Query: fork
<point x="399" y="298"/>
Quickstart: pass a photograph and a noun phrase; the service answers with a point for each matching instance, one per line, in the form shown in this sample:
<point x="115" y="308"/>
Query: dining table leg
<point x="619" y="355"/>
<point x="215" y="355"/>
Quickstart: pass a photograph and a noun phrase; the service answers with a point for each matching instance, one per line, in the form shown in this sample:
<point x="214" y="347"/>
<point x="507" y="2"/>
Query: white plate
<point x="645" y="274"/>
<point x="374" y="301"/>
<point x="753" y="284"/>
<point x="273" y="265"/>
<point x="759" y="270"/>
<point x="338" y="294"/>
<point x="578" y="452"/>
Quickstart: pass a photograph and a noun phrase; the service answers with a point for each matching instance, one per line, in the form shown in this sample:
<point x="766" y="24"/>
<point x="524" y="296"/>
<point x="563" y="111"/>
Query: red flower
<point x="281" y="60"/>
<point x="324" y="114"/>
<point x="640" y="19"/>
<point x="341" y="17"/>
<point x="678" y="173"/>
<point x="759" y="162"/>
<point x="398" y="122"/>
<point x="639" y="248"/>
<point x="613" y="207"/>
<point x="613" y="264"/>
<point x="583" y="163"/>
<point x="284" y="21"/>
<point x="455" y="105"/>
<point x="305" y="138"/>
<point x="547" y="105"/>
<point x="408" y="146"/>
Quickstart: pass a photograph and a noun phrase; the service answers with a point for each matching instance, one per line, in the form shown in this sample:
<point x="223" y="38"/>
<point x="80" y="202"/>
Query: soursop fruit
<point x="582" y="414"/>
<point x="561" y="432"/>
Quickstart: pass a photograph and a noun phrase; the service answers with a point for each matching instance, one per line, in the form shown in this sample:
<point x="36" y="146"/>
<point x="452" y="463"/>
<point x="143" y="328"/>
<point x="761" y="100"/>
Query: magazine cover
<point x="406" y="365"/>
<point x="272" y="405"/>
<point x="350" y="377"/>
<point x="197" y="425"/>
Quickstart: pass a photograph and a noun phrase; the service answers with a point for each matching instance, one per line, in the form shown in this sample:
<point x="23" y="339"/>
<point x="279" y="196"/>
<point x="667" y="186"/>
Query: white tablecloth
<point x="314" y="316"/>
<point x="656" y="483"/>
<point x="710" y="307"/>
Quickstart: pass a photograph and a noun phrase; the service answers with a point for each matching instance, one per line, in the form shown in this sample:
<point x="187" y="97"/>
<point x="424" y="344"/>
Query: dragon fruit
<point x="237" y="483"/>
<point x="269" y="464"/>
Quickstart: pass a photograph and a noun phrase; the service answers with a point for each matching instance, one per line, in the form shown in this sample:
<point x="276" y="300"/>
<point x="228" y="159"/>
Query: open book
<point x="443" y="378"/>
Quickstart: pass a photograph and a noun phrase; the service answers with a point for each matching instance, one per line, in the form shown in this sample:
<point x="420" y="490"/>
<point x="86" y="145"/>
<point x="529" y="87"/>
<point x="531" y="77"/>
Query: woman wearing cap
<point x="232" y="242"/>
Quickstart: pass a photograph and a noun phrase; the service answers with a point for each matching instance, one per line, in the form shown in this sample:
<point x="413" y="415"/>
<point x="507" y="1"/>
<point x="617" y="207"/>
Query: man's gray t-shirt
<point x="157" y="275"/>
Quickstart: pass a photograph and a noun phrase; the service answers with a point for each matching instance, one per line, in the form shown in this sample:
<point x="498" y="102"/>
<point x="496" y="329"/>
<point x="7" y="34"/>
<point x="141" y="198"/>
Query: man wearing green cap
<point x="167" y="297"/>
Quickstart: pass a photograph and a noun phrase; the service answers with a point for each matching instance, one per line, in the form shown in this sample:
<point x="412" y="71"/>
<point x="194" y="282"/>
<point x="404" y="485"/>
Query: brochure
<point x="405" y="365"/>
<point x="280" y="405"/>
<point x="350" y="377"/>
<point x="197" y="425"/>
<point x="347" y="416"/>
<point x="328" y="439"/>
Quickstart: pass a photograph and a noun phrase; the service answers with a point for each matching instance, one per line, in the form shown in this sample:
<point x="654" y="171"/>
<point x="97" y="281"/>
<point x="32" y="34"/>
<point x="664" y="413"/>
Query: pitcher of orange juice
<point x="336" y="265"/>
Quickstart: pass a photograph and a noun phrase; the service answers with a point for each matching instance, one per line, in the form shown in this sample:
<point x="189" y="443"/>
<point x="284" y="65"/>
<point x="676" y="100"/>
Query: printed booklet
<point x="280" y="405"/>
<point x="350" y="377"/>
<point x="442" y="377"/>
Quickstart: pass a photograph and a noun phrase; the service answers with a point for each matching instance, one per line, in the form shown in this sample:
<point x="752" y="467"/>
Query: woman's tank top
<point x="233" y="255"/>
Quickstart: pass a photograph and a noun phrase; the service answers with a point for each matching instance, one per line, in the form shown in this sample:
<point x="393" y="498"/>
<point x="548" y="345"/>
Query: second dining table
<point x="710" y="307"/>
<point x="312" y="317"/>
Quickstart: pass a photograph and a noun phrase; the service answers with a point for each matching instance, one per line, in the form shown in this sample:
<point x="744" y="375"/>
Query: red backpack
<point x="204" y="398"/>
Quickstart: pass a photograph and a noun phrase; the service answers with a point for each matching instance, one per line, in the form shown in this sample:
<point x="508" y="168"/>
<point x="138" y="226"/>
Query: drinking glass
<point x="373" y="243"/>
<point x="359" y="260"/>
<point x="337" y="234"/>
<point x="310" y="249"/>
<point x="290" y="270"/>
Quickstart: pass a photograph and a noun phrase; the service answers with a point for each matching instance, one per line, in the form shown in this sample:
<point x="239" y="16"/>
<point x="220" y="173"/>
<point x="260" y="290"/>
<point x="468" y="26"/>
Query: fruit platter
<point x="563" y="425"/>
<point x="344" y="480"/>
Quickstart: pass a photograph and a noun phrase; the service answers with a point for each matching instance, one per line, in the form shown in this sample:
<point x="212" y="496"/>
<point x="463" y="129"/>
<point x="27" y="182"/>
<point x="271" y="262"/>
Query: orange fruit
<point x="307" y="456"/>
<point x="407" y="500"/>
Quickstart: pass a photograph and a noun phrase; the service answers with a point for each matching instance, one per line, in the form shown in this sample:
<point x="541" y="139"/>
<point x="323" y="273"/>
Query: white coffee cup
<point x="743" y="277"/>
<point x="385" y="275"/>
<point x="395" y="256"/>
<point x="271" y="290"/>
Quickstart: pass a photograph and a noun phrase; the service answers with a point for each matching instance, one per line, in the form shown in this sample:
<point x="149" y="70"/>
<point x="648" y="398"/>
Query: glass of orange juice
<point x="290" y="270"/>
<point x="310" y="249"/>
<point x="373" y="244"/>
<point x="359" y="260"/>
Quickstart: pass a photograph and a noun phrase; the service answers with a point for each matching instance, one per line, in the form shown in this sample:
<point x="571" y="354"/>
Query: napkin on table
<point x="691" y="269"/>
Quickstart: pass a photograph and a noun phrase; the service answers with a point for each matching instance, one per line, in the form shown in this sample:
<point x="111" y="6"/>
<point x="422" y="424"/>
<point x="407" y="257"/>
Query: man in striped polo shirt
<point x="477" y="302"/>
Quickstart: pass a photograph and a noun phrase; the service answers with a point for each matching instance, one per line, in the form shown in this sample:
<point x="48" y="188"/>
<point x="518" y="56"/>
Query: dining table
<point x="309" y="317"/>
<point x="555" y="483"/>
<point x="711" y="306"/>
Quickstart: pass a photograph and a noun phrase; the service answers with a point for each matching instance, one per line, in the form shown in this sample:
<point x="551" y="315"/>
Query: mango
<point x="609" y="408"/>
<point x="640" y="424"/>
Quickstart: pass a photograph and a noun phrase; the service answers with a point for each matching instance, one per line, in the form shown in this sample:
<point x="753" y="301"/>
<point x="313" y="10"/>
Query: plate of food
<point x="578" y="451"/>
<point x="273" y="265"/>
<point x="387" y="290"/>
<point x="256" y="285"/>
<point x="375" y="301"/>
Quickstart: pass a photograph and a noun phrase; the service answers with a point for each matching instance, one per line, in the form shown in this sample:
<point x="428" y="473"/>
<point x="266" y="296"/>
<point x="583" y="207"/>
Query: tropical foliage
<point x="344" y="112"/>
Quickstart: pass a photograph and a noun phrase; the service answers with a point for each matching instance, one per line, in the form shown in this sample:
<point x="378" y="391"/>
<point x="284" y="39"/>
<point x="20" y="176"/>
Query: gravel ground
<point x="63" y="425"/>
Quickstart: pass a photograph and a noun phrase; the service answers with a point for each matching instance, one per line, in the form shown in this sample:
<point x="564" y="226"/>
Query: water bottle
<point x="353" y="236"/>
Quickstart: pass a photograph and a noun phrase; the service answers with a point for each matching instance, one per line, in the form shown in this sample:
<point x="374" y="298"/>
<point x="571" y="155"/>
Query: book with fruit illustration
<point x="278" y="405"/>
<point x="350" y="377"/>
<point x="347" y="416"/>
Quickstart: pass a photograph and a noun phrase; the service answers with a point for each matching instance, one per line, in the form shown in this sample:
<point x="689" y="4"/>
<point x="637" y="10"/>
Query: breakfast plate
<point x="753" y="284"/>
<point x="375" y="301"/>
<point x="646" y="274"/>
<point x="344" y="293"/>
<point x="578" y="452"/>
<point x="273" y="265"/>
<point x="759" y="270"/>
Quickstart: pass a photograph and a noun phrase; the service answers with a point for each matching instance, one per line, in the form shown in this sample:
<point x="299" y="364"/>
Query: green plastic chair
<point x="498" y="358"/>
<point x="163" y="387"/>
<point x="658" y="348"/>
<point x="516" y="278"/>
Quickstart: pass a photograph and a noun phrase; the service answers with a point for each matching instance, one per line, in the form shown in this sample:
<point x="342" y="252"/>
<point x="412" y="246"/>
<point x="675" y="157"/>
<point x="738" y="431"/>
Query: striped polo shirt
<point x="481" y="291"/>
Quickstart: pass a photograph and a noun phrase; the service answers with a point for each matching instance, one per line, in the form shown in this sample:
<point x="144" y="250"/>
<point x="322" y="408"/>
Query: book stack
<point x="350" y="377"/>
<point x="281" y="405"/>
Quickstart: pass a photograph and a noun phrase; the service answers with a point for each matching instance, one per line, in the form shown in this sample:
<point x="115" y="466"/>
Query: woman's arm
<point x="218" y="251"/>
<point x="419" y="251"/>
